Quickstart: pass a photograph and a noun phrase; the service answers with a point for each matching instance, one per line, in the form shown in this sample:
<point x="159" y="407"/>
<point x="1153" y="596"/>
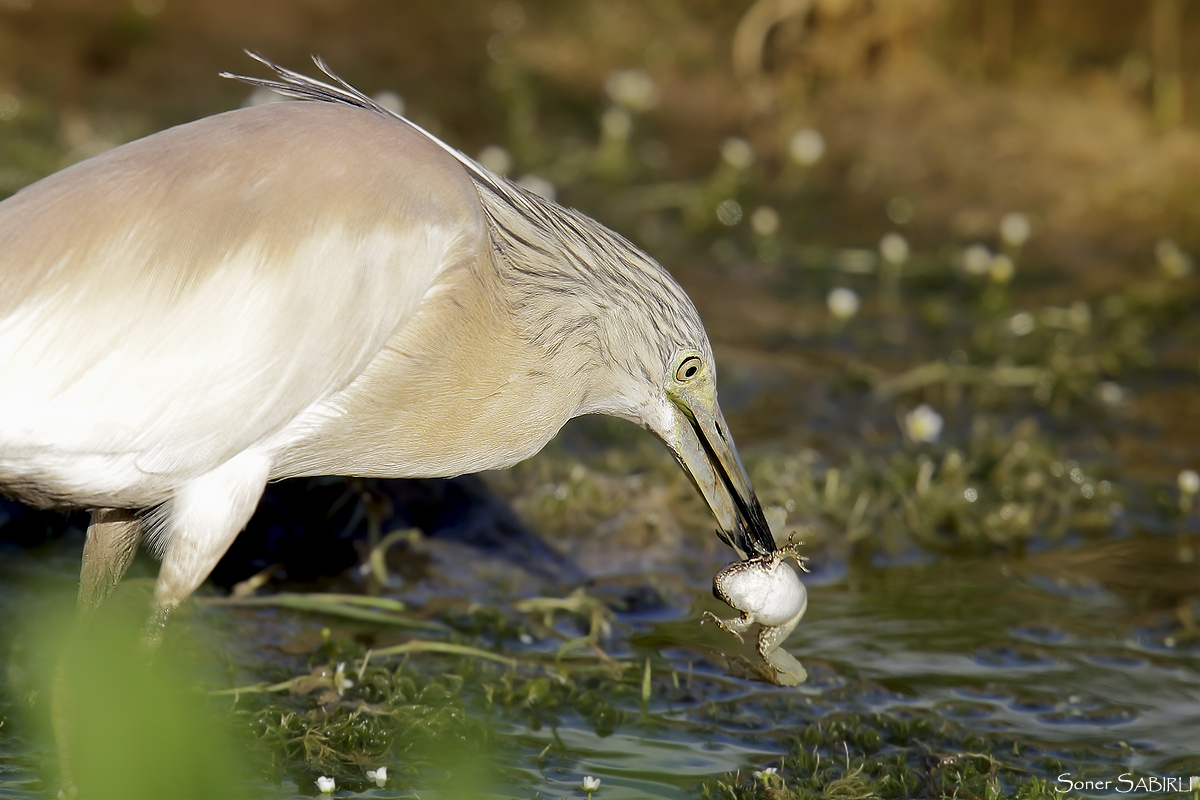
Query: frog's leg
<point x="770" y="647"/>
<point x="737" y="626"/>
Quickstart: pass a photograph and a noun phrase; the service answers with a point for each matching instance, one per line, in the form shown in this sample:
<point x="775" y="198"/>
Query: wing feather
<point x="173" y="301"/>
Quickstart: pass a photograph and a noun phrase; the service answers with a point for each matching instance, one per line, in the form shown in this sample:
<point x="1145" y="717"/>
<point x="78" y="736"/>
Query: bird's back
<point x="169" y="303"/>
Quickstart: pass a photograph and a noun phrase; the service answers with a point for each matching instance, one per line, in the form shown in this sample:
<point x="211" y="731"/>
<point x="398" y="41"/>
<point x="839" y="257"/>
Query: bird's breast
<point x="457" y="389"/>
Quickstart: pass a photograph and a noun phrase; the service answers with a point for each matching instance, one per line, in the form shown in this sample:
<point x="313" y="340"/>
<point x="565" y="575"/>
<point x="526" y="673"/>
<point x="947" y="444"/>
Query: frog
<point x="769" y="593"/>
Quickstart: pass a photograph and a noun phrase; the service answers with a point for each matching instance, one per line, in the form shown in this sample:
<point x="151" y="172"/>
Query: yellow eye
<point x="689" y="369"/>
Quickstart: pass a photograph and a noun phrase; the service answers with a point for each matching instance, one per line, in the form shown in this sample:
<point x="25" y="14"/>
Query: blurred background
<point x="945" y="250"/>
<point x="1081" y="115"/>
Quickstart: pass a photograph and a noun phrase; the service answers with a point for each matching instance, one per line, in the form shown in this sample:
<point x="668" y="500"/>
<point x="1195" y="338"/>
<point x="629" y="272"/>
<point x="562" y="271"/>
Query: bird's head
<point x="662" y="376"/>
<point x="689" y="420"/>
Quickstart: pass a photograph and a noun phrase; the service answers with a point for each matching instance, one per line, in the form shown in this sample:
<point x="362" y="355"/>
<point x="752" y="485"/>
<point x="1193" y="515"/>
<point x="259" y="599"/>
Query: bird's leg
<point x="205" y="516"/>
<point x="112" y="541"/>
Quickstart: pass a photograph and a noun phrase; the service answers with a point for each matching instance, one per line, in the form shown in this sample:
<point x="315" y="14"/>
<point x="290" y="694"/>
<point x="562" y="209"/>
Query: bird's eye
<point x="689" y="369"/>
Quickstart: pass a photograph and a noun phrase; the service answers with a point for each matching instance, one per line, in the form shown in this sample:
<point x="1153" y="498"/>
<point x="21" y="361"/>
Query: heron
<point x="318" y="287"/>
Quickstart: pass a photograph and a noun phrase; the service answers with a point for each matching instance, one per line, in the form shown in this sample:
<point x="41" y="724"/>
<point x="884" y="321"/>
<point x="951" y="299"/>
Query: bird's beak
<point x="704" y="447"/>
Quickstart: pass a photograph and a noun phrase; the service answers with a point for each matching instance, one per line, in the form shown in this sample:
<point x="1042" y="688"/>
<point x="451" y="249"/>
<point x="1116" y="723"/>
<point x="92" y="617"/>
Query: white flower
<point x="1173" y="261"/>
<point x="391" y="101"/>
<point x="632" y="88"/>
<point x="765" y="221"/>
<point x="591" y="784"/>
<point x="378" y="775"/>
<point x="764" y="774"/>
<point x="729" y="212"/>
<point x="340" y="681"/>
<point x="976" y="259"/>
<point x="843" y="304"/>
<point x="1014" y="229"/>
<point x="1189" y="481"/>
<point x="1021" y="323"/>
<point x="737" y="152"/>
<point x="495" y="158"/>
<point x="923" y="424"/>
<point x="1111" y="393"/>
<point x="263" y="96"/>
<point x="1001" y="269"/>
<point x="326" y="785"/>
<point x="806" y="147"/>
<point x="538" y="185"/>
<point x="10" y="106"/>
<point x="894" y="248"/>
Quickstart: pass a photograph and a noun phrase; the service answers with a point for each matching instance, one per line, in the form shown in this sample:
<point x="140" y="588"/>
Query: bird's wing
<point x="179" y="298"/>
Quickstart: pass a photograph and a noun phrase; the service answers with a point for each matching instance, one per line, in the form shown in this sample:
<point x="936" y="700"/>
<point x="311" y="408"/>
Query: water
<point x="1007" y="652"/>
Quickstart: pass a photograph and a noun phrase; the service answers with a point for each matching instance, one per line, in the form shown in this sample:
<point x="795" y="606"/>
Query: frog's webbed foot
<point x="789" y="671"/>
<point x="737" y="626"/>
<point x="792" y="550"/>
